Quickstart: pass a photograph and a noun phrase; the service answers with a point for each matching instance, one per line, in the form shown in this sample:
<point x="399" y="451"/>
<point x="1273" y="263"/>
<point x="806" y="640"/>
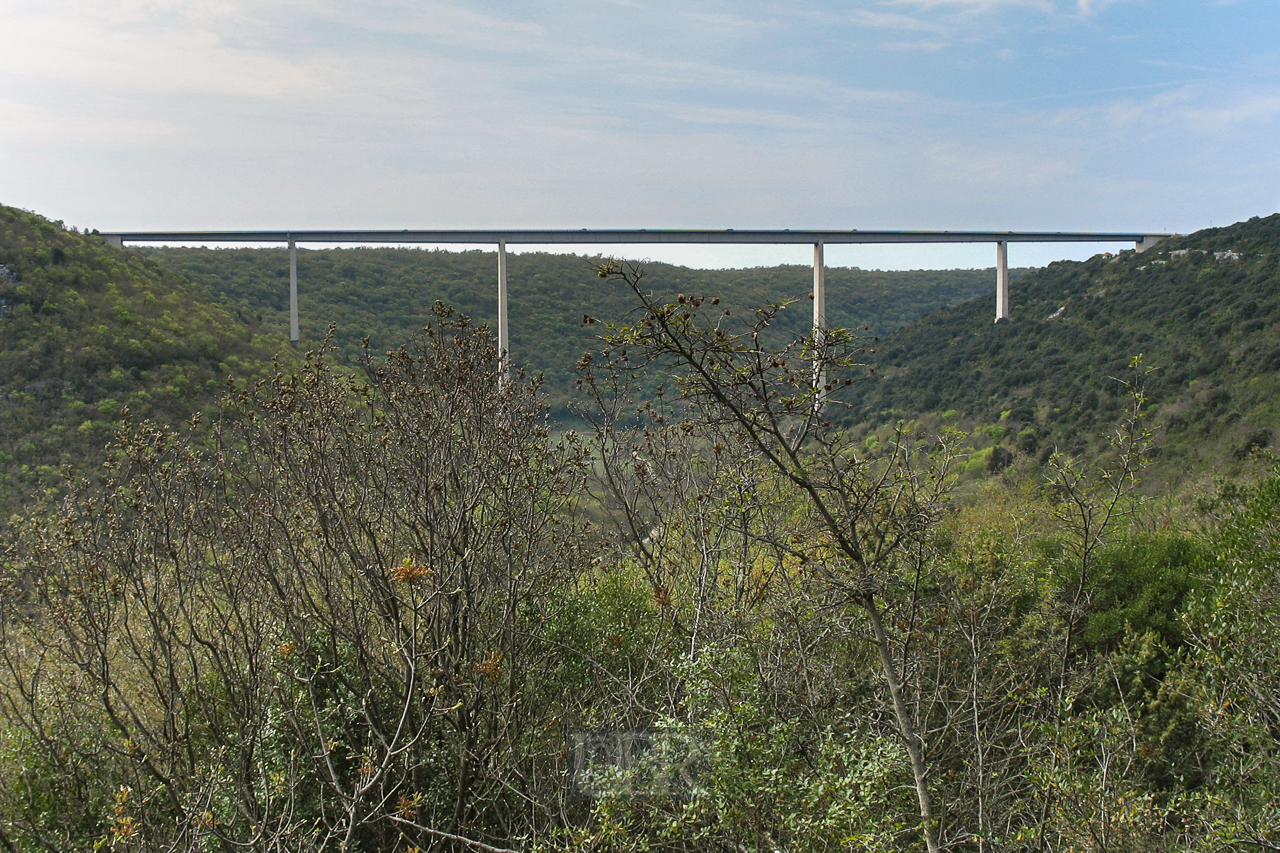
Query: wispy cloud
<point x="1184" y="66"/>
<point x="449" y="23"/>
<point x="1258" y="109"/>
<point x="1053" y="9"/>
<point x="30" y="124"/>
<point x="774" y="120"/>
<point x="892" y="21"/>
<point x="721" y="22"/>
<point x="963" y="22"/>
<point x="1197" y="108"/>
<point x="1093" y="7"/>
<point x="914" y="46"/>
<point x="123" y="48"/>
<point x="980" y="6"/>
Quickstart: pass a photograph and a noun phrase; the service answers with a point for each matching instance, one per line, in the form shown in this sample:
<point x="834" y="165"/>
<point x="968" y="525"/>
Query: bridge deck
<point x="625" y="236"/>
<point x="587" y="236"/>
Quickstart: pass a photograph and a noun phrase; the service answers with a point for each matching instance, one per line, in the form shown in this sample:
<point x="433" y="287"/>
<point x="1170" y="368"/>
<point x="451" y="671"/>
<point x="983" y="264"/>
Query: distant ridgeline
<point x="88" y="331"/>
<point x="1204" y="310"/>
<point x="386" y="295"/>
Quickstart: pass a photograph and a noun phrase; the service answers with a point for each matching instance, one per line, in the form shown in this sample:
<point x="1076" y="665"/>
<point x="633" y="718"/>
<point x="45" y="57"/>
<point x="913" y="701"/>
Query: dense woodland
<point x="363" y="600"/>
<point x="88" y="336"/>
<point x="1203" y="310"/>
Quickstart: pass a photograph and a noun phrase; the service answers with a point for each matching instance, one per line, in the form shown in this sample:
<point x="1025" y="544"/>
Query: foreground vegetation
<point x="364" y="614"/>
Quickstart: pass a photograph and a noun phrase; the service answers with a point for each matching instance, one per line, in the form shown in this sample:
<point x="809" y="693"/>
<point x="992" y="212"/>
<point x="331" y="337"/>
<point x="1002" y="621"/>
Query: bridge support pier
<point x="504" y="360"/>
<point x="1002" y="281"/>
<point x="819" y="316"/>
<point x="294" y="334"/>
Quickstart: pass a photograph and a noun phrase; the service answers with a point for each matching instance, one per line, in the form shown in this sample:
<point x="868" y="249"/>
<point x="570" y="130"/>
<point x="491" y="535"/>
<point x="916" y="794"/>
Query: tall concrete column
<point x="819" y="289"/>
<point x="819" y="314"/>
<point x="294" y="334"/>
<point x="1002" y="281"/>
<point x="503" y="343"/>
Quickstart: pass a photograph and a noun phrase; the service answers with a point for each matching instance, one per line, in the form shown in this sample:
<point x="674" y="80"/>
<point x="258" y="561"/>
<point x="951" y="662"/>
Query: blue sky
<point x="873" y="114"/>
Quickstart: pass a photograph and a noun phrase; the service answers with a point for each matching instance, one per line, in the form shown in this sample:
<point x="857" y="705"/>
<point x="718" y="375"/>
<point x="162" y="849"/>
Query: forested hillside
<point x="88" y="331"/>
<point x="1203" y="310"/>
<point x="387" y="294"/>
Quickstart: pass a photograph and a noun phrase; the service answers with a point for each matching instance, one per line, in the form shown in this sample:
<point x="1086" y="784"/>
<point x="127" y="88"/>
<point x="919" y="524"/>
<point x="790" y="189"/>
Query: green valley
<point x="387" y="295"/>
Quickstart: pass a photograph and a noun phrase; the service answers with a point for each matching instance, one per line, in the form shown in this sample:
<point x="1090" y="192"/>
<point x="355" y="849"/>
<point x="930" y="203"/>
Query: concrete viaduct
<point x="589" y="237"/>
